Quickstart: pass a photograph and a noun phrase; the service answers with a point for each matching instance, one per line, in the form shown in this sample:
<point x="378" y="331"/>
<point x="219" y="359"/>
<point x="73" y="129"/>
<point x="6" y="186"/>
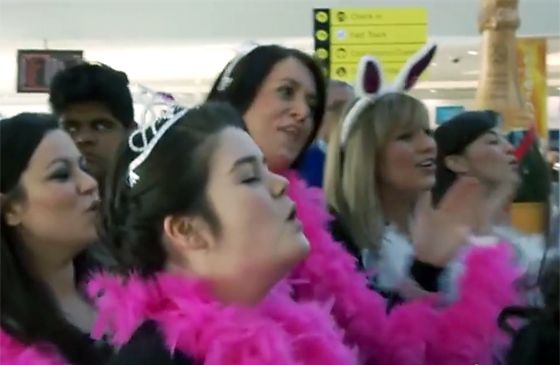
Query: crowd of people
<point x="289" y="219"/>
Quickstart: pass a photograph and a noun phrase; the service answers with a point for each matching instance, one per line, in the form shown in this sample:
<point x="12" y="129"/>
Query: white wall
<point x="235" y="20"/>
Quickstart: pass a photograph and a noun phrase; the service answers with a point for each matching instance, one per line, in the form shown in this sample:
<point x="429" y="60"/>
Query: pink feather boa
<point x="13" y="352"/>
<point x="277" y="332"/>
<point x="417" y="332"/>
<point x="282" y="331"/>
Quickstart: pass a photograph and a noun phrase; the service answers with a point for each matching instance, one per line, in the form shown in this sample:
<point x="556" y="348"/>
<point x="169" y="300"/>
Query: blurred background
<point x="180" y="46"/>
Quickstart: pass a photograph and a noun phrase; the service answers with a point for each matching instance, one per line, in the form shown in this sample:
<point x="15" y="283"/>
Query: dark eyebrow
<point x="94" y="120"/>
<point x="290" y="80"/>
<point x="493" y="133"/>
<point x="57" y="160"/>
<point x="102" y="120"/>
<point x="252" y="160"/>
<point x="298" y="84"/>
<point x="65" y="160"/>
<point x="68" y="121"/>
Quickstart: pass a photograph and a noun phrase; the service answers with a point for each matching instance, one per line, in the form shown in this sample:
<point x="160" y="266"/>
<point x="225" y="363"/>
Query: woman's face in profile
<point x="491" y="160"/>
<point x="259" y="239"/>
<point x="57" y="211"/>
<point x="407" y="163"/>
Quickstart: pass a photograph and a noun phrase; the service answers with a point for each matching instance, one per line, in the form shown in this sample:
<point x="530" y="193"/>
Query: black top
<point x="147" y="347"/>
<point x="341" y="234"/>
<point x="424" y="274"/>
<point x="536" y="343"/>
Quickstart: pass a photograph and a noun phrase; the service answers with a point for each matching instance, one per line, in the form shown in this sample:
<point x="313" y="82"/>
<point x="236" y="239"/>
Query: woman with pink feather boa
<point x="216" y="270"/>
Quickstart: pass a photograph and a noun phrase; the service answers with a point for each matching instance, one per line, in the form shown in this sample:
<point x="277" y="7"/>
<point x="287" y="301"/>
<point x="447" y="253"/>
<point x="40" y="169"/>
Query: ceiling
<point x="180" y="46"/>
<point x="230" y="20"/>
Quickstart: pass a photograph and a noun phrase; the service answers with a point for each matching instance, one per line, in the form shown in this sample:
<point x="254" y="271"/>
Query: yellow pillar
<point x="499" y="90"/>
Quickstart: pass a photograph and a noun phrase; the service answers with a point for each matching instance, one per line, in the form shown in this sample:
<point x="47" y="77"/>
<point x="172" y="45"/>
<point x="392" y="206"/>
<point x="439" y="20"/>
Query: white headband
<point x="370" y="85"/>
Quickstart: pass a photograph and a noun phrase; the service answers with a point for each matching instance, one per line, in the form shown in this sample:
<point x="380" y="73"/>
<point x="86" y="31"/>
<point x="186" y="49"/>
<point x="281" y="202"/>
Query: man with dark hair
<point x="94" y="105"/>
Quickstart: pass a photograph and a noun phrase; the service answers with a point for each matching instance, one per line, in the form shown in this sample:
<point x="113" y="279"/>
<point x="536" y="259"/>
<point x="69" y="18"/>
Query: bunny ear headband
<point x="370" y="85"/>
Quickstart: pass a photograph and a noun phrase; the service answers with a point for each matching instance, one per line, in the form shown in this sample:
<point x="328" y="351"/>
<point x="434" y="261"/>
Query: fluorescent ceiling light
<point x="553" y="59"/>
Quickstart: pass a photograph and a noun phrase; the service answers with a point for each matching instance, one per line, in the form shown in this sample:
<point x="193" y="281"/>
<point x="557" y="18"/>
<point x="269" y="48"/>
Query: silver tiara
<point x="226" y="79"/>
<point x="370" y="85"/>
<point x="144" y="139"/>
<point x="149" y="104"/>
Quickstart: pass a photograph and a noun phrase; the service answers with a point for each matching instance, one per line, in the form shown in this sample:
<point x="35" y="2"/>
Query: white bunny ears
<point x="370" y="84"/>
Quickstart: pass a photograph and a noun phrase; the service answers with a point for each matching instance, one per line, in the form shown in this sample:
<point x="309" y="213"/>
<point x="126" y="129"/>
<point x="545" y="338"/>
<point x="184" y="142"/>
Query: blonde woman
<point x="381" y="161"/>
<point x="391" y="136"/>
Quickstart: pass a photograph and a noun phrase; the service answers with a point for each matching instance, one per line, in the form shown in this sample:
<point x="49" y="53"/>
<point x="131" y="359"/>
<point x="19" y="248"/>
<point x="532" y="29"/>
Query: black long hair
<point x="251" y="70"/>
<point x="29" y="311"/>
<point x="538" y="341"/>
<point x="172" y="181"/>
<point x="452" y="138"/>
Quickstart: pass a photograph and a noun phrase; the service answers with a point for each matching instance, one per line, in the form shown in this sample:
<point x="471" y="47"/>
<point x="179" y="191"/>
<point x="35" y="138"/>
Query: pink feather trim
<point x="282" y="331"/>
<point x="277" y="332"/>
<point x="13" y="352"/>
<point x="417" y="332"/>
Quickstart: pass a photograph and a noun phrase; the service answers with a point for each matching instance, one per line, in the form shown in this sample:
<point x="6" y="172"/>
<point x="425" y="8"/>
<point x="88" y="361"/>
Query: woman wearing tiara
<point x="210" y="247"/>
<point x="205" y="234"/>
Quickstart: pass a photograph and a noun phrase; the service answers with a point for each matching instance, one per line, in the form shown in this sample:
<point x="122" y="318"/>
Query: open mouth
<point x="292" y="215"/>
<point x="428" y="163"/>
<point x="94" y="206"/>
<point x="514" y="164"/>
<point x="292" y="131"/>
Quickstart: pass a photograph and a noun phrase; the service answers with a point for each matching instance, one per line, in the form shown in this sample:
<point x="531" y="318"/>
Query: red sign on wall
<point x="36" y="68"/>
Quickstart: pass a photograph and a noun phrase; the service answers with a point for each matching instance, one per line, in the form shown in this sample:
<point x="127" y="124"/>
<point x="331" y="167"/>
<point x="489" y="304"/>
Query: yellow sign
<point x="378" y="16"/>
<point x="347" y="72"/>
<point x="385" y="53"/>
<point x="387" y="34"/>
<point x="344" y="35"/>
<point x="531" y="64"/>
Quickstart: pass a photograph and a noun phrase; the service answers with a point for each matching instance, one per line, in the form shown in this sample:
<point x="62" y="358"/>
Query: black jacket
<point x="147" y="347"/>
<point x="425" y="275"/>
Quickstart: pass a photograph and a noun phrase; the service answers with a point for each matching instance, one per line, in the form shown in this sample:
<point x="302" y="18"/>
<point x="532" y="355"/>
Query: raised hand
<point x="438" y="233"/>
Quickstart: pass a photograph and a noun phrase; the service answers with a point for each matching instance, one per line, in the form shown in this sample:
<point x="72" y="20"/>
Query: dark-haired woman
<point x="472" y="144"/>
<point x="210" y="246"/>
<point x="48" y="214"/>
<point x="205" y="234"/>
<point x="281" y="95"/>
